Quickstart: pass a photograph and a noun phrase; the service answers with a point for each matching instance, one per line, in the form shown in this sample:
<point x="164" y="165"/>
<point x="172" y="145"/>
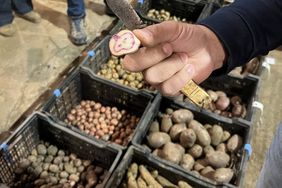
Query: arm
<point x="247" y="28"/>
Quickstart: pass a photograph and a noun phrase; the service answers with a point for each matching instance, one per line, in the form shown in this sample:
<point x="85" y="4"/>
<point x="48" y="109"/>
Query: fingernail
<point x="167" y="49"/>
<point x="190" y="69"/>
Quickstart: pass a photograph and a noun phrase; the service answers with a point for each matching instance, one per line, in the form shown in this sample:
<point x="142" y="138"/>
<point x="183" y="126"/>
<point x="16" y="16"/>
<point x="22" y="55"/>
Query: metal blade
<point x="125" y="12"/>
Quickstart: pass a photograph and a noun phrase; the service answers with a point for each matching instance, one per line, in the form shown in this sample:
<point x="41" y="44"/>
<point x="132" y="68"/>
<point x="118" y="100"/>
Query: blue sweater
<point x="247" y="28"/>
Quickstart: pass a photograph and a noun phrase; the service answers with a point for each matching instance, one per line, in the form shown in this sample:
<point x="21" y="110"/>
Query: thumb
<point x="164" y="32"/>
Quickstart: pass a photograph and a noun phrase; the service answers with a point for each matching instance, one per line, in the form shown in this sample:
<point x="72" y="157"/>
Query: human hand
<point x="175" y="53"/>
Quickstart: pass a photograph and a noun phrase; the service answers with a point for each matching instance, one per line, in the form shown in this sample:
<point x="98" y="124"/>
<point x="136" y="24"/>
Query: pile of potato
<point x="114" y="71"/>
<point x="163" y="15"/>
<point x="103" y="122"/>
<point x="203" y="149"/>
<point x="49" y="167"/>
<point x="222" y="104"/>
<point x="250" y="68"/>
<point x="141" y="177"/>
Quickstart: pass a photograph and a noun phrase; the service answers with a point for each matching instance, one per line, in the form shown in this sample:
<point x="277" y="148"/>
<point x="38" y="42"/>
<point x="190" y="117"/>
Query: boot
<point x="77" y="31"/>
<point x="31" y="16"/>
<point x="7" y="30"/>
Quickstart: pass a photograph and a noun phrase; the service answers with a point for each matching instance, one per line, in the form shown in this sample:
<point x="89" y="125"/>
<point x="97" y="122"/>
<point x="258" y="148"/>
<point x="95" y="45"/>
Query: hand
<point x="175" y="53"/>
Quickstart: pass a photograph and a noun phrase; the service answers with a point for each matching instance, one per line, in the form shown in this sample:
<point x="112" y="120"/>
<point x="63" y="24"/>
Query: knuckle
<point x="150" y="77"/>
<point x="167" y="90"/>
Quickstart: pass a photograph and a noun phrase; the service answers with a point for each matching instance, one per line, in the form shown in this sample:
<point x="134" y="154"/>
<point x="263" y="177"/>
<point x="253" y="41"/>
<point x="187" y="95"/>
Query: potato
<point x="222" y="103"/>
<point x="221" y="147"/>
<point x="234" y="143"/>
<point x="166" y="123"/>
<point x="164" y="182"/>
<point x="158" y="139"/>
<point x="208" y="126"/>
<point x="220" y="93"/>
<point x="149" y="179"/>
<point x="195" y="172"/>
<point x="208" y="172"/>
<point x="216" y="133"/>
<point x="196" y="151"/>
<point x="226" y="135"/>
<point x="235" y="100"/>
<point x="156" y="152"/>
<point x="172" y="152"/>
<point x="213" y="95"/>
<point x="154" y="127"/>
<point x="208" y="149"/>
<point x="237" y="110"/>
<point x="218" y="159"/>
<point x="187" y="138"/>
<point x="187" y="162"/>
<point x="182" y="116"/>
<point x="175" y="131"/>
<point x="182" y="184"/>
<point x="203" y="136"/>
<point x="223" y="175"/>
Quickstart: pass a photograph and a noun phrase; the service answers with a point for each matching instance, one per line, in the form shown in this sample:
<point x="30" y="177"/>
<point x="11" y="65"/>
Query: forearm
<point x="247" y="28"/>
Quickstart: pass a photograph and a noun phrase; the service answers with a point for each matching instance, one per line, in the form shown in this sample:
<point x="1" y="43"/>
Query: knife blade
<point x="126" y="13"/>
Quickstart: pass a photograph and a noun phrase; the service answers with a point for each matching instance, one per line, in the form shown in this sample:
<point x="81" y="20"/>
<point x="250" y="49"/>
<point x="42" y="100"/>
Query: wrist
<point x="214" y="47"/>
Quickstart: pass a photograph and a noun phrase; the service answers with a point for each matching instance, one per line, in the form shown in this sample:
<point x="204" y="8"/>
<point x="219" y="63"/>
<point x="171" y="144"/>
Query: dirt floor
<point x="32" y="60"/>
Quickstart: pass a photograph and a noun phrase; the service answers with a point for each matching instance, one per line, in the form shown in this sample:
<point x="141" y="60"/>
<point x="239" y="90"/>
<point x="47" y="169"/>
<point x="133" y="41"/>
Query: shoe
<point x="7" y="30"/>
<point x="77" y="31"/>
<point x="31" y="16"/>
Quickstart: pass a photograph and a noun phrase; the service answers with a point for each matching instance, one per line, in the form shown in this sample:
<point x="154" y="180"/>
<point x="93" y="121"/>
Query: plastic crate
<point x="83" y="85"/>
<point x="39" y="127"/>
<point x="235" y="127"/>
<point x="140" y="156"/>
<point x="247" y="88"/>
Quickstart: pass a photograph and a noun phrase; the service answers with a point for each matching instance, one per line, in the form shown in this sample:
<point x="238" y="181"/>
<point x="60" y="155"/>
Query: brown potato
<point x="216" y="133"/>
<point x="226" y="135"/>
<point x="208" y="149"/>
<point x="223" y="175"/>
<point x="182" y="116"/>
<point x="220" y="93"/>
<point x="158" y="139"/>
<point x="203" y="136"/>
<point x="213" y="95"/>
<point x="196" y="151"/>
<point x="234" y="143"/>
<point x="221" y="147"/>
<point x="154" y="127"/>
<point x="187" y="138"/>
<point x="175" y="131"/>
<point x="208" y="172"/>
<point x="166" y="123"/>
<point x="218" y="159"/>
<point x="187" y="162"/>
<point x="172" y="152"/>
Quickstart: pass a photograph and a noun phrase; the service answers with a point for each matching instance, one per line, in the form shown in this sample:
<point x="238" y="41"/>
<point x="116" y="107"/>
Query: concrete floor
<point x="34" y="57"/>
<point x="37" y="54"/>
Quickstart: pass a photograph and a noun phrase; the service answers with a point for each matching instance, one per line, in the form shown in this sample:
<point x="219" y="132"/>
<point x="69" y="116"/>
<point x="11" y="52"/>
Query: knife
<point x="126" y="13"/>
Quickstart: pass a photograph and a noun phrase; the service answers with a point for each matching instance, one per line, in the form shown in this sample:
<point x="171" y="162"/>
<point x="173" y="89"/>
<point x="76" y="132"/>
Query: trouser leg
<point x="22" y="6"/>
<point x="76" y="9"/>
<point x="6" y="13"/>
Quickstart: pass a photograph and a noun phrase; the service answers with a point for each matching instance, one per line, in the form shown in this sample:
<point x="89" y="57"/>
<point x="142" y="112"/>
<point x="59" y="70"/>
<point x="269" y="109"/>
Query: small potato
<point x="182" y="184"/>
<point x="195" y="172"/>
<point x="187" y="138"/>
<point x="196" y="151"/>
<point x="156" y="152"/>
<point x="187" y="162"/>
<point x="175" y="131"/>
<point x="216" y="133"/>
<point x="208" y="172"/>
<point x="208" y="149"/>
<point x="166" y="123"/>
<point x="226" y="135"/>
<point x="222" y="103"/>
<point x="203" y="136"/>
<point x="223" y="175"/>
<point x="158" y="139"/>
<point x="182" y="116"/>
<point x="235" y="100"/>
<point x="220" y="93"/>
<point x="218" y="159"/>
<point x="172" y="152"/>
<point x="237" y="110"/>
<point x="208" y="126"/>
<point x="221" y="147"/>
<point x="234" y="143"/>
<point x="154" y="127"/>
<point x="213" y="95"/>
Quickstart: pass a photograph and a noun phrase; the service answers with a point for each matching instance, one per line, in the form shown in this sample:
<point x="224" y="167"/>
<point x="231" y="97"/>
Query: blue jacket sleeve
<point x="247" y="28"/>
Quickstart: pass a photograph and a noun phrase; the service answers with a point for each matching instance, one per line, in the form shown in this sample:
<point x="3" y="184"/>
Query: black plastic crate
<point x="235" y="127"/>
<point x="83" y="85"/>
<point x="139" y="156"/>
<point x="39" y="127"/>
<point x="247" y="88"/>
<point x="188" y="9"/>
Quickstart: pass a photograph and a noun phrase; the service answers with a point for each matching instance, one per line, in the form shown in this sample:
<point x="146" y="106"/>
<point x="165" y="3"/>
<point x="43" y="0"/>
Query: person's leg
<point x="76" y="13"/>
<point x="271" y="173"/>
<point x="24" y="9"/>
<point x="6" y="18"/>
